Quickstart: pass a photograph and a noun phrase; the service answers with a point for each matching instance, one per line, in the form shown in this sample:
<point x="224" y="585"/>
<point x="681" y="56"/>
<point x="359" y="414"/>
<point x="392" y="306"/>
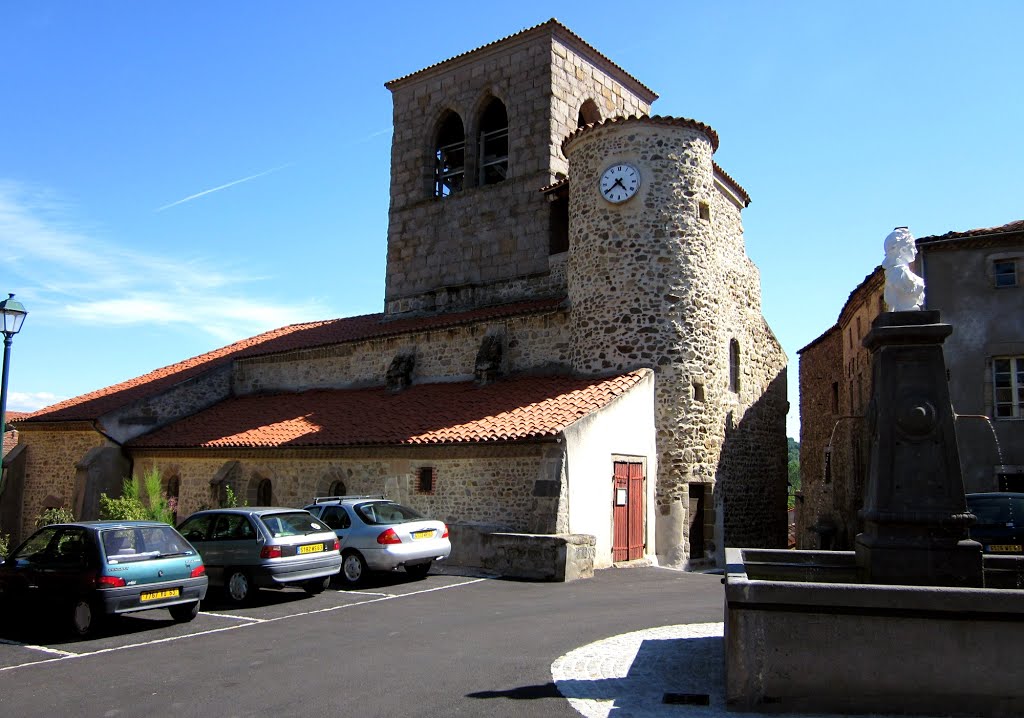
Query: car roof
<point x="101" y="525"/>
<point x="248" y="510"/>
<point x="337" y="500"/>
<point x="996" y="494"/>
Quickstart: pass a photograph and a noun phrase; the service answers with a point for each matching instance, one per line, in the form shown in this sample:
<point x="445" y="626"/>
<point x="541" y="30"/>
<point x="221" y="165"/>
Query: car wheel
<point x="418" y="570"/>
<point x="83" y="618"/>
<point x="353" y="568"/>
<point x="316" y="585"/>
<point x="238" y="586"/>
<point x="184" y="612"/>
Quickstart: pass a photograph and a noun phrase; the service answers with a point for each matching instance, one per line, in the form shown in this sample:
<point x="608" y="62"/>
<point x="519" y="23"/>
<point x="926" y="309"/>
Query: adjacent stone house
<point x="975" y="280"/>
<point x="554" y="358"/>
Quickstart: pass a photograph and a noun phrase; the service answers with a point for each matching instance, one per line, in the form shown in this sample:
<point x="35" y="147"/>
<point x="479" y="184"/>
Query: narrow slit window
<point x="734" y="366"/>
<point x="704" y="211"/>
<point x="493" y="143"/>
<point x="450" y="157"/>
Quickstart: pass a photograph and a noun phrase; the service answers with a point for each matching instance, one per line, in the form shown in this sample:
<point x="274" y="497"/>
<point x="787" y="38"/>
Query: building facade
<point x="975" y="279"/>
<point x="547" y="350"/>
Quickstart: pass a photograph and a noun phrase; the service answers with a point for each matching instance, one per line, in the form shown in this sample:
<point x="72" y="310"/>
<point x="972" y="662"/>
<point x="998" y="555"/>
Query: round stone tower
<point x="644" y="285"/>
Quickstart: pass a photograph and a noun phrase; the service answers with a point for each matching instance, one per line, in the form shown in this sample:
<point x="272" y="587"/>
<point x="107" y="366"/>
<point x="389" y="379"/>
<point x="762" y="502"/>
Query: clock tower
<point x="476" y="139"/>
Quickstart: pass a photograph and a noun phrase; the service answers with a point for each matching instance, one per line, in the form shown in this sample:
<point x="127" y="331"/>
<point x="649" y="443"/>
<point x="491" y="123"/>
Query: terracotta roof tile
<point x="525" y="407"/>
<point x="1010" y="228"/>
<point x="290" y="338"/>
<point x="651" y="119"/>
<point x="555" y="26"/>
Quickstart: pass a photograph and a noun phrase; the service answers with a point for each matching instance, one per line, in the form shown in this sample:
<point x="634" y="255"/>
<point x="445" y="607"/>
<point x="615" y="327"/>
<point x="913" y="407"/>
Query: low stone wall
<point x="536" y="557"/>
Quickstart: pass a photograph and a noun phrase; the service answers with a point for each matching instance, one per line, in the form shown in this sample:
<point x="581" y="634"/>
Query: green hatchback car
<point x="82" y="572"/>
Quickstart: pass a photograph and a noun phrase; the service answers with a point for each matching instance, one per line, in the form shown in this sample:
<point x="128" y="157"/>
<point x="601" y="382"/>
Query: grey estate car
<point x="249" y="547"/>
<point x="377" y="534"/>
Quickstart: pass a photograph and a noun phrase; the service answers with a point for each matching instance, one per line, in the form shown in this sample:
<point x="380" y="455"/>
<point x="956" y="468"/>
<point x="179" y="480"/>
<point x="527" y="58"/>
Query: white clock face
<point x="620" y="182"/>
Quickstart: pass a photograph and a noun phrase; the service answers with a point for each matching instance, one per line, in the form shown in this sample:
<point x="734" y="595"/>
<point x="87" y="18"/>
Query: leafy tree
<point x="5" y="545"/>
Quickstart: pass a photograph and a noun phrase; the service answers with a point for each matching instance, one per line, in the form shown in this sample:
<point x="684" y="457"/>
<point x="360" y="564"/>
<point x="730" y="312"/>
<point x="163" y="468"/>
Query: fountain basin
<point x="803" y="634"/>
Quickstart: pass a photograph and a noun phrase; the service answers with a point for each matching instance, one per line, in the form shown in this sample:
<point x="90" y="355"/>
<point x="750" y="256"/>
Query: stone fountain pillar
<point x="915" y="514"/>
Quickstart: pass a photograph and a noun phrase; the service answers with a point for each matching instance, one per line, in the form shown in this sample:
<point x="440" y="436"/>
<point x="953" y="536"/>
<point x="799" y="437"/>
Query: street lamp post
<point x="12" y="316"/>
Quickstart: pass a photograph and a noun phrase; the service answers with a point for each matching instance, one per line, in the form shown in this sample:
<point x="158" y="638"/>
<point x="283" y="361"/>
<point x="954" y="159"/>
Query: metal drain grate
<point x="686" y="699"/>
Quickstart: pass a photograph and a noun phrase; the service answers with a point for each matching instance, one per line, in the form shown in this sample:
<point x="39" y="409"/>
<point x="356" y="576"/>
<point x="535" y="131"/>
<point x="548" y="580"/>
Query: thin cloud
<point x="223" y="186"/>
<point x="31" y="401"/>
<point x="64" y="268"/>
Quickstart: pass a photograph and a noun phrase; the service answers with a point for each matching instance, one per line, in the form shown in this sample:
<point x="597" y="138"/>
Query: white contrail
<point x="223" y="186"/>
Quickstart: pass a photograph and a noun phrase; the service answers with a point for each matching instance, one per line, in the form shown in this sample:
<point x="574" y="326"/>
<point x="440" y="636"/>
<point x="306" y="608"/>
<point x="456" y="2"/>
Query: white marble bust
<point x="904" y="290"/>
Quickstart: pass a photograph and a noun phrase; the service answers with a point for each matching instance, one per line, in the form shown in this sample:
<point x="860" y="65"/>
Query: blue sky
<point x="176" y="176"/>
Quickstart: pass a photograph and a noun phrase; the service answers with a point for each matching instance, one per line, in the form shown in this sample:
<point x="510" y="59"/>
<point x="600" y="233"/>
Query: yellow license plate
<point x="311" y="548"/>
<point x="154" y="595"/>
<point x="1005" y="548"/>
<point x="422" y="534"/>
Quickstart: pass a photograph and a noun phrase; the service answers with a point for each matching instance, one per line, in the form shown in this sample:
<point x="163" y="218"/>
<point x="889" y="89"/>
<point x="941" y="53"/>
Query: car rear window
<point x="386" y="512"/>
<point x="997" y="510"/>
<point x="292" y="523"/>
<point x="126" y="545"/>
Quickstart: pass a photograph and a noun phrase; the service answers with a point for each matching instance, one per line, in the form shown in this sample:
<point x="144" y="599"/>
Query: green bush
<point x="141" y="500"/>
<point x="58" y="515"/>
<point x="5" y="545"/>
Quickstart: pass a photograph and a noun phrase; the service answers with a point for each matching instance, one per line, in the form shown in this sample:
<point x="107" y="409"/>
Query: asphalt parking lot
<point x="447" y="645"/>
<point x="24" y="645"/>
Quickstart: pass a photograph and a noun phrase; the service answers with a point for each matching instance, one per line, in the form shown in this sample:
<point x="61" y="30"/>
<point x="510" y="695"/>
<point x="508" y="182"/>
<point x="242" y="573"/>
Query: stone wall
<point x="652" y="283"/>
<point x="506" y="487"/>
<point x="51" y="460"/>
<point x="835" y="388"/>
<point x="486" y="244"/>
<point x="531" y="342"/>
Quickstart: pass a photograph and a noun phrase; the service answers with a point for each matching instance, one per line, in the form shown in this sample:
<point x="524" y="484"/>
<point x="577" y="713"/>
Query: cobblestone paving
<point x="629" y="675"/>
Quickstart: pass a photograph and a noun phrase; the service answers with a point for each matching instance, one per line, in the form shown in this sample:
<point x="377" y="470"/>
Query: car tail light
<point x="388" y="537"/>
<point x="445" y="534"/>
<point x="198" y="571"/>
<point x="337" y="545"/>
<point x="270" y="552"/>
<point x="109" y="582"/>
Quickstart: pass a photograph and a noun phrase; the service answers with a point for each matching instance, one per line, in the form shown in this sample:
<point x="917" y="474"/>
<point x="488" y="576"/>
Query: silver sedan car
<point x="253" y="547"/>
<point x="380" y="535"/>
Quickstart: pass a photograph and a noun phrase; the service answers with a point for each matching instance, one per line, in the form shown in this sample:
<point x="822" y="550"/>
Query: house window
<point x="589" y="114"/>
<point x="1005" y="272"/>
<point x="1008" y="386"/>
<point x="493" y="143"/>
<point x="265" y="493"/>
<point x="835" y="397"/>
<point x="704" y="211"/>
<point x="734" y="366"/>
<point x="449" y="157"/>
<point x="425" y="480"/>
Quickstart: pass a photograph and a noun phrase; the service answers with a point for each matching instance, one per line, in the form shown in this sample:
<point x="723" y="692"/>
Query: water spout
<point x="991" y="428"/>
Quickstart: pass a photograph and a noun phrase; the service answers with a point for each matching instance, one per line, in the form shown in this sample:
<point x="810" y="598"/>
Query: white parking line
<point x="229" y="615"/>
<point x="44" y="649"/>
<point x="65" y="655"/>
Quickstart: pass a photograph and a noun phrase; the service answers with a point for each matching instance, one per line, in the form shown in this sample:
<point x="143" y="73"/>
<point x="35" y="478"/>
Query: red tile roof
<point x="525" y="407"/>
<point x="984" y="232"/>
<point x="290" y="338"/>
<point x="645" y="93"/>
<point x="697" y="125"/>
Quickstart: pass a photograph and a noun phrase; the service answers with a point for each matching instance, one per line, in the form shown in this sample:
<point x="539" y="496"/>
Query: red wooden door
<point x="627" y="511"/>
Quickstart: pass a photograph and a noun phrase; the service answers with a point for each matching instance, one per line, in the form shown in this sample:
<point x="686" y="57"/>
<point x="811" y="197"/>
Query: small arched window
<point x="337" y="488"/>
<point x="589" y="114"/>
<point x="734" y="366"/>
<point x="493" y="143"/>
<point x="265" y="493"/>
<point x="449" y="157"/>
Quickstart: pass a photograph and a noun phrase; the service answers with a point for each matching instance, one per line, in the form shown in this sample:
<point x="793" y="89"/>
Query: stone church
<point x="571" y="345"/>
